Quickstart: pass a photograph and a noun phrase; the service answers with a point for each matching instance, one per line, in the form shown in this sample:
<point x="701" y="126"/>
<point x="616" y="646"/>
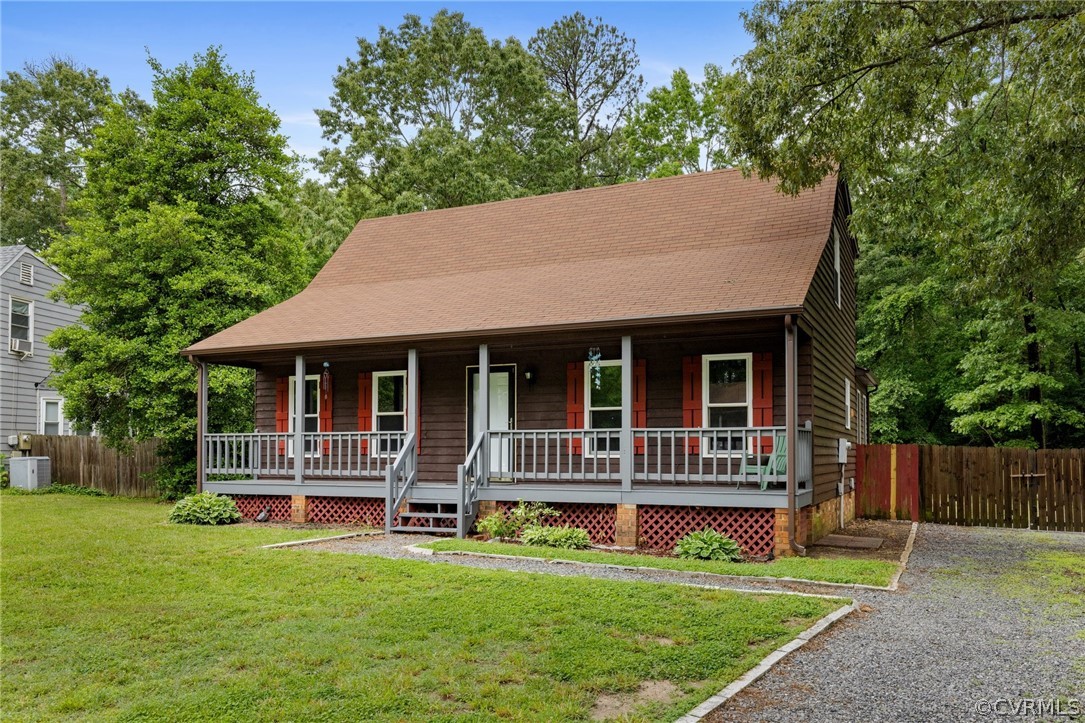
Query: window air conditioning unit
<point x="22" y="346"/>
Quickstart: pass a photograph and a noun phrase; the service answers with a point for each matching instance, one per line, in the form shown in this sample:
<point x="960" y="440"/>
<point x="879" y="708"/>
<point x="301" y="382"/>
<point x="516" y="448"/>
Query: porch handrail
<point x="468" y="481"/>
<point x="707" y="455"/>
<point x="555" y="454"/>
<point x="401" y="476"/>
<point x="354" y="455"/>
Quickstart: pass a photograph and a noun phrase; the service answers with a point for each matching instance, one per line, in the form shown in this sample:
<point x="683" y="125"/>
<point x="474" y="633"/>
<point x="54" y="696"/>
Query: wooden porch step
<point x="446" y="530"/>
<point x="430" y="515"/>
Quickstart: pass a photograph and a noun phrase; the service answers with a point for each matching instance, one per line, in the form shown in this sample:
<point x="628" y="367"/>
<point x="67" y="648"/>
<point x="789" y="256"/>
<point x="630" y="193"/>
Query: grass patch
<point x="865" y="572"/>
<point x="109" y="612"/>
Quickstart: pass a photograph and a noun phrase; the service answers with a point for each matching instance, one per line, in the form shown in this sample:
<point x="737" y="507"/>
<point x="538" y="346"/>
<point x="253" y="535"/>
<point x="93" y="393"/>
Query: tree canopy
<point x="959" y="126"/>
<point x="48" y="114"/>
<point x="177" y="238"/>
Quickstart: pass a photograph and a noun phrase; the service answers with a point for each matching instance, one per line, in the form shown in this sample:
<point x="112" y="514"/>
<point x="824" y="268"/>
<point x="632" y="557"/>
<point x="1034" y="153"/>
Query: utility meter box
<point x="842" y="448"/>
<point x="30" y="473"/>
<point x="23" y="444"/>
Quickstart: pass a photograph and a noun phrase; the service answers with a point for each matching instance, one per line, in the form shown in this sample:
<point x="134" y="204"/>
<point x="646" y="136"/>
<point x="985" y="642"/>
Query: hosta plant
<point x="708" y="545"/>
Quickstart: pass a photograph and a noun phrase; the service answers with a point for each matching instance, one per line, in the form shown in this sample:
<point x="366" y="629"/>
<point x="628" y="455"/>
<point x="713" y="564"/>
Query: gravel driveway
<point x="976" y="619"/>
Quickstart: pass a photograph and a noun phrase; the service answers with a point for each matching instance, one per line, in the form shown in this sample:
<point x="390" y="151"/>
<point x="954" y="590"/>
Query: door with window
<point x="502" y="415"/>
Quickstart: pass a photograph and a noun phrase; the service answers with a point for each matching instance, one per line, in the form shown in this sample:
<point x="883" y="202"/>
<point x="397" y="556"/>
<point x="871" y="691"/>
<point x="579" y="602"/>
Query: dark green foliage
<point x="205" y="508"/>
<point x="47" y="117"/>
<point x="959" y="129"/>
<point x="64" y="489"/>
<point x="563" y="536"/>
<point x="180" y="236"/>
<point x="708" y="545"/>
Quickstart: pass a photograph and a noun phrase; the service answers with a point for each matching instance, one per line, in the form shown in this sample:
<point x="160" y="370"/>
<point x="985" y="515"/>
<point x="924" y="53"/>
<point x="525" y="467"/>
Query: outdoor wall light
<point x="530" y="376"/>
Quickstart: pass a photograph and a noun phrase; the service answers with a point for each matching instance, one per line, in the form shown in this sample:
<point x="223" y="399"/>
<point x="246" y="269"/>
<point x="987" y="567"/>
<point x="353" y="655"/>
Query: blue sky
<point x="293" y="49"/>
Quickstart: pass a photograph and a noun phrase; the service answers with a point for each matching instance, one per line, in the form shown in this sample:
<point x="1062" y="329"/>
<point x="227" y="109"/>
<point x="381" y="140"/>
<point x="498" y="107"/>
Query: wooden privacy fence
<point x="994" y="487"/>
<point x="88" y="462"/>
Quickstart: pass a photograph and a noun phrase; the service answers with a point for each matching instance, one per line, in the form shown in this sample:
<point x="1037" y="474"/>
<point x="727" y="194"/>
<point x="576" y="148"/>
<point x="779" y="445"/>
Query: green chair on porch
<point x="774" y="464"/>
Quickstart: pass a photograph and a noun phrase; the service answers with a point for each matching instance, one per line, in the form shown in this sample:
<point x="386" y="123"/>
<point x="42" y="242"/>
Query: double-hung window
<point x="21" y="322"/>
<point x="52" y="417"/>
<point x="727" y="388"/>
<point x="604" y="406"/>
<point x="311" y="410"/>
<point x="389" y="409"/>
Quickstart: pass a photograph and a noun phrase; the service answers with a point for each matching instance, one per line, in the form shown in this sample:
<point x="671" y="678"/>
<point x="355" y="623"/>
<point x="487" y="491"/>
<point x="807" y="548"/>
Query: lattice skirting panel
<point x="598" y="519"/>
<point x="368" y="511"/>
<point x="251" y="505"/>
<point x="661" y="526"/>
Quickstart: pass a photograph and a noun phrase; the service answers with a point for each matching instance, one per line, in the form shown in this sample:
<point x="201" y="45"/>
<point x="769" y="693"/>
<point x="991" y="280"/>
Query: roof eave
<point x="617" y="323"/>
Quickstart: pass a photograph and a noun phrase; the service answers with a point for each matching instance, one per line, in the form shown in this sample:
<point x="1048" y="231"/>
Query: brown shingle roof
<point x="710" y="243"/>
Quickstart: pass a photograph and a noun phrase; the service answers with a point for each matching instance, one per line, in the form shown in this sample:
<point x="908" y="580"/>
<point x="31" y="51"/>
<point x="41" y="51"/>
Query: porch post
<point x="412" y="392"/>
<point x="201" y="427"/>
<point x="483" y="410"/>
<point x="299" y="418"/>
<point x="791" y="419"/>
<point x="625" y="445"/>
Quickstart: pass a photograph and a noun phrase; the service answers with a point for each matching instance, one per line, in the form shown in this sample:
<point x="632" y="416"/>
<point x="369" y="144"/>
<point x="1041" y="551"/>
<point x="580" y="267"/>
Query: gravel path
<point x="967" y="625"/>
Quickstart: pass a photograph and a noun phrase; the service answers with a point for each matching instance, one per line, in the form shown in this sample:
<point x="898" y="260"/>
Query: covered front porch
<point x="711" y="416"/>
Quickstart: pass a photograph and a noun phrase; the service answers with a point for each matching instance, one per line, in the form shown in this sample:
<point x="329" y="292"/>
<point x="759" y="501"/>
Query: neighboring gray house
<point x="27" y="315"/>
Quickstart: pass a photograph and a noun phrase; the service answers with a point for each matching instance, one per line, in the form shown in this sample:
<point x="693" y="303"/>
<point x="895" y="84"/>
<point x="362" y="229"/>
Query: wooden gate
<point x="993" y="487"/>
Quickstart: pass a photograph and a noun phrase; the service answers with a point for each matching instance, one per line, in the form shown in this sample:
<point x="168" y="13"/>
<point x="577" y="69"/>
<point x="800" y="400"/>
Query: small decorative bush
<point x="205" y="508"/>
<point x="565" y="537"/>
<point x="708" y="545"/>
<point x="63" y="489"/>
<point x="509" y="523"/>
<point x="4" y="480"/>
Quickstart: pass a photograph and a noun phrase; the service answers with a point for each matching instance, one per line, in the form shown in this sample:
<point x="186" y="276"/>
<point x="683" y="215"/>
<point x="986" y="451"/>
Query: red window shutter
<point x="365" y="406"/>
<point x="325" y="418"/>
<point x="692" y="403"/>
<point x="640" y="402"/>
<point x="762" y="396"/>
<point x="282" y="409"/>
<point x="574" y="404"/>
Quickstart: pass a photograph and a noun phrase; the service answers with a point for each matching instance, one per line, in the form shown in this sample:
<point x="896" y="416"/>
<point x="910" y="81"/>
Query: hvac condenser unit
<point x="30" y="473"/>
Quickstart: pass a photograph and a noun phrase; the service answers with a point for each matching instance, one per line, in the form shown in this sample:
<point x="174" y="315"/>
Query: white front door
<point x="500" y="419"/>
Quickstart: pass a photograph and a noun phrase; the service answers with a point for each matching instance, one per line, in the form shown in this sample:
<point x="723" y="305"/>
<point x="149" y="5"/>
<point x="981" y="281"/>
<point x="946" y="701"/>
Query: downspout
<point x="791" y="421"/>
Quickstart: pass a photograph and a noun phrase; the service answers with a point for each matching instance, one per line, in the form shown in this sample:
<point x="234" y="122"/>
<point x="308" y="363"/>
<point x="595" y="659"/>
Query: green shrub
<point x="4" y="479"/>
<point x="63" y="489"/>
<point x="509" y="523"/>
<point x="569" y="538"/>
<point x="708" y="545"/>
<point x="205" y="508"/>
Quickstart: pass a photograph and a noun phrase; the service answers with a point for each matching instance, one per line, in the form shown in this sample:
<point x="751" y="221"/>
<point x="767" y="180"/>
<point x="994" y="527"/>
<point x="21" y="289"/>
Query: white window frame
<point x="836" y="268"/>
<point x="26" y="274"/>
<point x="293" y="398"/>
<point x="589" y="449"/>
<point x="374" y="449"/>
<point x="61" y="420"/>
<point x="30" y="329"/>
<point x="847" y="403"/>
<point x="708" y="447"/>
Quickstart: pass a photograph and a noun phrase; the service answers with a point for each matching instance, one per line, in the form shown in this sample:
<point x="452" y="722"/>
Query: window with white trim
<point x="311" y="410"/>
<point x="836" y="267"/>
<point x="26" y="274"/>
<point x="603" y="405"/>
<point x="389" y="408"/>
<point x="21" y="322"/>
<point x="847" y="403"/>
<point x="51" y="419"/>
<point x="727" y="397"/>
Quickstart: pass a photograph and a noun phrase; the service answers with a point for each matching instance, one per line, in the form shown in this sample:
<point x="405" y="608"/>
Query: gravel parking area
<point x="981" y="616"/>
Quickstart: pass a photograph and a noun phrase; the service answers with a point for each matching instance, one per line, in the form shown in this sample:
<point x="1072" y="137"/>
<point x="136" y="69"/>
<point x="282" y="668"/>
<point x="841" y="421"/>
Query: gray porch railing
<point x="468" y="480"/>
<point x="351" y="455"/>
<point x="402" y="474"/>
<point x="590" y="455"/>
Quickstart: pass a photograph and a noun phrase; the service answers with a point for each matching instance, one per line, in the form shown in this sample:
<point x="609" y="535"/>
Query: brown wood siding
<point x="831" y="353"/>
<point x="443" y="385"/>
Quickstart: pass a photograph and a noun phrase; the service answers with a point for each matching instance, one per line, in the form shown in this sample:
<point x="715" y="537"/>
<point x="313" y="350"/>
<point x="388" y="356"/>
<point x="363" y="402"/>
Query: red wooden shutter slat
<point x="325" y="418"/>
<point x="365" y="406"/>
<point x="640" y="402"/>
<point x="692" y="412"/>
<point x="574" y="404"/>
<point x="282" y="409"/>
<point x="762" y="396"/>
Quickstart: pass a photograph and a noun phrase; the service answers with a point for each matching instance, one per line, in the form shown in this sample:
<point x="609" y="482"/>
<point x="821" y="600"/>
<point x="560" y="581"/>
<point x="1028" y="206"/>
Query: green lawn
<point x="865" y="572"/>
<point x="110" y="613"/>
